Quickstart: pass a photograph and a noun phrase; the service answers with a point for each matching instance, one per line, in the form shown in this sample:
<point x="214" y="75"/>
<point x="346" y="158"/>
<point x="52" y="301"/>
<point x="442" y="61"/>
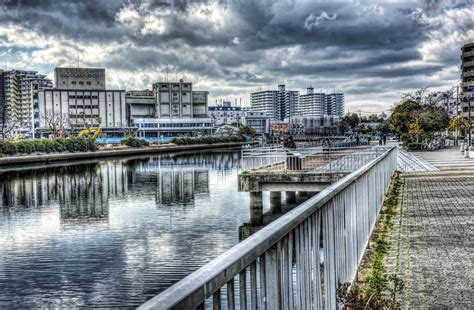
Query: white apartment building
<point x="277" y="104"/>
<point x="19" y="93"/>
<point x="335" y="104"/>
<point x="312" y="104"/>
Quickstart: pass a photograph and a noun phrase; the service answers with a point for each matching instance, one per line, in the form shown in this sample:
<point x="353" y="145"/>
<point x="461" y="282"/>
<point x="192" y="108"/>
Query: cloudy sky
<point x="371" y="51"/>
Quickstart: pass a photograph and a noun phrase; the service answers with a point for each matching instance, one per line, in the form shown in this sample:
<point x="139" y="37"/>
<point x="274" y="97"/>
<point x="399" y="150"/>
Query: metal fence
<point x="281" y="266"/>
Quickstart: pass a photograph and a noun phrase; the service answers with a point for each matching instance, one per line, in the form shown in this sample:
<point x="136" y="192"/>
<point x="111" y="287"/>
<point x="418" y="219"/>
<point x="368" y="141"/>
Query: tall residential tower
<point x="467" y="76"/>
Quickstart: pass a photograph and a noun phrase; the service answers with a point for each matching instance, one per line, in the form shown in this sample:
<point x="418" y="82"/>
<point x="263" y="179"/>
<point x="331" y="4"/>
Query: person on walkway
<point x="380" y="139"/>
<point x="290" y="143"/>
<point x="384" y="138"/>
<point x="357" y="140"/>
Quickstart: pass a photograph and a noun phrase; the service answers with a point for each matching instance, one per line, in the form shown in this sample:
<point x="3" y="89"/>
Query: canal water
<point x="115" y="232"/>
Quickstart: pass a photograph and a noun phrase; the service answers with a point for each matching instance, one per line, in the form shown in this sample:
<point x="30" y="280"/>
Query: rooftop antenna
<point x="78" y="58"/>
<point x="167" y="72"/>
<point x="176" y="75"/>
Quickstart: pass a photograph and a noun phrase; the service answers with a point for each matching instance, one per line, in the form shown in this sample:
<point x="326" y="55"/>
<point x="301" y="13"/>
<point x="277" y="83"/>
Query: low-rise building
<point x="169" y="127"/>
<point x="140" y="104"/>
<point x="259" y="121"/>
<point x="226" y="114"/>
<point x="314" y="125"/>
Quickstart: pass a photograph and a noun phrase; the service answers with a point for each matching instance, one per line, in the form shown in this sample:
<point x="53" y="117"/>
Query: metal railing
<point x="316" y="159"/>
<point x="281" y="266"/>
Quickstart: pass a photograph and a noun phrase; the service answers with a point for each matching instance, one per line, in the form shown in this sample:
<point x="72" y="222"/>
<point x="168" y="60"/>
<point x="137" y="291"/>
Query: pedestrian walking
<point x="384" y="139"/>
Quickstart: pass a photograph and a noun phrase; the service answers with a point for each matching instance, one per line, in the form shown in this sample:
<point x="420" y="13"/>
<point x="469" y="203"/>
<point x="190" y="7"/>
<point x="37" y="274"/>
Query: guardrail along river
<point x="115" y="232"/>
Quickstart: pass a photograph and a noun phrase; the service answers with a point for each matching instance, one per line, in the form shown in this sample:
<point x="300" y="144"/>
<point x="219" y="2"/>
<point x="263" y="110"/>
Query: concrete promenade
<point x="433" y="237"/>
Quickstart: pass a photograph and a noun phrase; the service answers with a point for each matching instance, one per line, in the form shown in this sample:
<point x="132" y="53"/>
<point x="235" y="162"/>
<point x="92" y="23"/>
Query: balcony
<point x="468" y="64"/>
<point x="468" y="54"/>
<point x="468" y="84"/>
<point x="468" y="74"/>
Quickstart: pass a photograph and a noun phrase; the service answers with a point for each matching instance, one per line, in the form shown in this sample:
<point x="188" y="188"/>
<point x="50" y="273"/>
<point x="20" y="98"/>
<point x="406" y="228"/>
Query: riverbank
<point x="46" y="158"/>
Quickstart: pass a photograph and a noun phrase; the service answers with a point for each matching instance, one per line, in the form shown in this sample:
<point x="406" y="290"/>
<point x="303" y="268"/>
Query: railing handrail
<point x="202" y="283"/>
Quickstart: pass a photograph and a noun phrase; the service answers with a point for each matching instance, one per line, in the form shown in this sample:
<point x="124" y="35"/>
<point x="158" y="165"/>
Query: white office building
<point x="178" y="100"/>
<point x="80" y="100"/>
<point x="226" y="114"/>
<point x="77" y="109"/>
<point x="259" y="121"/>
<point x="140" y="104"/>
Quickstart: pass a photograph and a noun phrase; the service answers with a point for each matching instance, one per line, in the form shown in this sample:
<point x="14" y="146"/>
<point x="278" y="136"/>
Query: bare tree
<point x="417" y="96"/>
<point x="56" y="122"/>
<point x="6" y="126"/>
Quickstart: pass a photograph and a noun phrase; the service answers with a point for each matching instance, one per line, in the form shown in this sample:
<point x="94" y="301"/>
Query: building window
<point x="73" y="82"/>
<point x="89" y="82"/>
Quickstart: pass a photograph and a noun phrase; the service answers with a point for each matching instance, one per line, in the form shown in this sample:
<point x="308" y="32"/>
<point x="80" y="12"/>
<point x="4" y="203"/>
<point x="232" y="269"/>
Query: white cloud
<point x="448" y="32"/>
<point x="313" y="21"/>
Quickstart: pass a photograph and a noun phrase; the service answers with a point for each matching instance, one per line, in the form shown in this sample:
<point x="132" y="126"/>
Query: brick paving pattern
<point x="433" y="239"/>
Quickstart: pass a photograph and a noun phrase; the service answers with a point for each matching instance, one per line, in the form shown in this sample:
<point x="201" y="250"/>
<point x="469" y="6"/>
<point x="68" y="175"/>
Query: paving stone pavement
<point x="433" y="240"/>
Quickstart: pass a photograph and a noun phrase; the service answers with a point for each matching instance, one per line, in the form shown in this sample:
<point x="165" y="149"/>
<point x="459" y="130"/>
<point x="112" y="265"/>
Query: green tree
<point x="433" y="118"/>
<point x="403" y="115"/>
<point x="352" y="120"/>
<point x="247" y="130"/>
<point x="384" y="127"/>
<point x="343" y="126"/>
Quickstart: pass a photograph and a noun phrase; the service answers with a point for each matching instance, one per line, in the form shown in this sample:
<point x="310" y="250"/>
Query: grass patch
<point x="374" y="288"/>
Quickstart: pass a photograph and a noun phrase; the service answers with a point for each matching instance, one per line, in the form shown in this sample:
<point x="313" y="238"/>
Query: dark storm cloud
<point x="244" y="42"/>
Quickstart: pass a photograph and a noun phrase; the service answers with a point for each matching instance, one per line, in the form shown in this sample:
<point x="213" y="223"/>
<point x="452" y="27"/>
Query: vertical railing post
<point x="272" y="279"/>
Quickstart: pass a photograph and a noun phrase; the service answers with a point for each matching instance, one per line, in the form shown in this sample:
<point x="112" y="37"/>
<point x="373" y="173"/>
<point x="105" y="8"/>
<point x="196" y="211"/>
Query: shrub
<point x="415" y="146"/>
<point x="10" y="148"/>
<point x="207" y="140"/>
<point x="135" y="142"/>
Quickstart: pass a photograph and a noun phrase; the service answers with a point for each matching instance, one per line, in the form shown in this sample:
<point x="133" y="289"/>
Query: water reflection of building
<point x="83" y="190"/>
<point x="180" y="185"/>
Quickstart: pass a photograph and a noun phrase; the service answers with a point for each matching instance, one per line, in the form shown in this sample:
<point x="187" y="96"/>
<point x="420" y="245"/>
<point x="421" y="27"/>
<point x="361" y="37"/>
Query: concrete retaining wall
<point x="20" y="160"/>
